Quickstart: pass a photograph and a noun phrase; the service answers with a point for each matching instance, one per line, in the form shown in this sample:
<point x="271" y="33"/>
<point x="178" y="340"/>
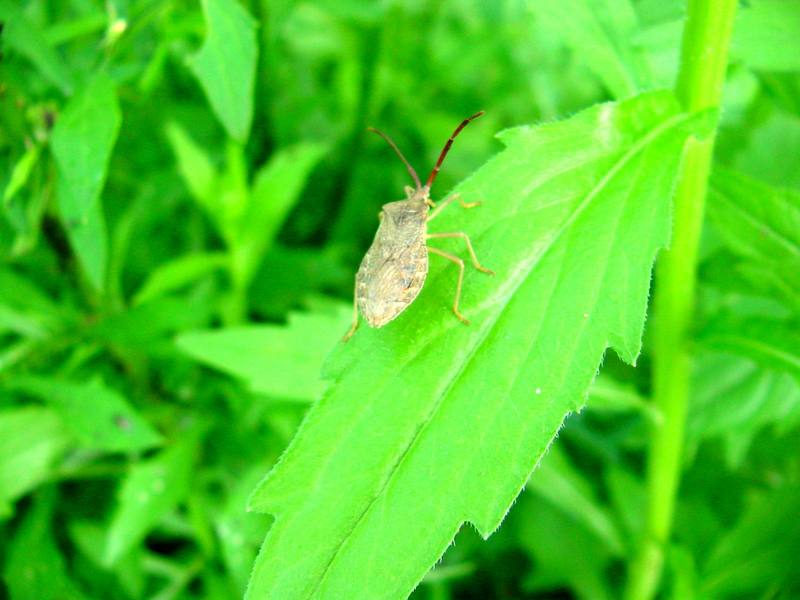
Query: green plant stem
<point x="704" y="57"/>
<point x="235" y="308"/>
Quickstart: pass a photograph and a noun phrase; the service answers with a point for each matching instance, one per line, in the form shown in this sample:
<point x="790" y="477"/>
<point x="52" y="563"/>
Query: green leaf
<point x="82" y="141"/>
<point x="33" y="438"/>
<point x="777" y="136"/>
<point x="429" y="423"/>
<point x="88" y="238"/>
<point x="24" y="213"/>
<point x="226" y="65"/>
<point x="600" y="33"/>
<point x="148" y="493"/>
<point x="194" y="165"/>
<point x="731" y="280"/>
<point x="20" y="323"/>
<point x="276" y="189"/>
<point x="35" y="568"/>
<point x="756" y="220"/>
<point x="21" y="172"/>
<point x="760" y="227"/>
<point x="683" y="569"/>
<point x="23" y="293"/>
<point x="612" y="396"/>
<point x="26" y="310"/>
<point x="93" y="20"/>
<point x="734" y="398"/>
<point x="240" y="532"/>
<point x="774" y="343"/>
<point x="759" y="552"/>
<point x="559" y="482"/>
<point x="95" y="414"/>
<point x="24" y="37"/>
<point x="177" y="273"/>
<point x="661" y="40"/>
<point x="224" y="195"/>
<point x="147" y="326"/>
<point x="281" y="361"/>
<point x="765" y="36"/>
<point x="89" y="539"/>
<point x="563" y="551"/>
<point x="628" y="497"/>
<point x="288" y="274"/>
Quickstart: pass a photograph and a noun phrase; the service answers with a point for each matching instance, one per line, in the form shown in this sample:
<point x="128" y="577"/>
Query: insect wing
<point x="389" y="279"/>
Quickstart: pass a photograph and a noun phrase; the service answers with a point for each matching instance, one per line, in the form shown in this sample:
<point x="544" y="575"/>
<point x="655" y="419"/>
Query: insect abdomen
<point x="389" y="282"/>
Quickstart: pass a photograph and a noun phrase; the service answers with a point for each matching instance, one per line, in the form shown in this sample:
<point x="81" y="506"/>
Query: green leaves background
<point x="475" y="421"/>
<point x="81" y="143"/>
<point x="187" y="191"/>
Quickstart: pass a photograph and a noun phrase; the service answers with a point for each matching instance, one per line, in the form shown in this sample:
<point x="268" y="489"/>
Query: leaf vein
<point x="483" y="333"/>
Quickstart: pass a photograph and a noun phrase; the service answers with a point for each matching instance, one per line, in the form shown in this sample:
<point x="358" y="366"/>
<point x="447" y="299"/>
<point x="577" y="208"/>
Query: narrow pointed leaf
<point x="226" y="64"/>
<point x="429" y="423"/>
<point x="150" y="490"/>
<point x="33" y="438"/>
<point x="276" y="189"/>
<point x="609" y="395"/>
<point x="82" y="141"/>
<point x="21" y="173"/>
<point x="34" y="566"/>
<point x="179" y="272"/>
<point x="23" y="36"/>
<point x="281" y="361"/>
<point x="95" y="414"/>
<point x="194" y="165"/>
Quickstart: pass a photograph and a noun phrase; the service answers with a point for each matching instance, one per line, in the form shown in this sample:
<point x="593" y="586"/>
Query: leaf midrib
<point x="671" y="122"/>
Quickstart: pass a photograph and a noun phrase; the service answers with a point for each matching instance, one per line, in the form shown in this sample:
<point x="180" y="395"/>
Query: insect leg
<point x="448" y="200"/>
<point x="354" y="326"/>
<point x="460" y="264"/>
<point x="465" y="237"/>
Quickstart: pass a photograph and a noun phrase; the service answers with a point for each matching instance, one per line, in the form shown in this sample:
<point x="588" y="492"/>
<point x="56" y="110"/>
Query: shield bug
<point x="396" y="264"/>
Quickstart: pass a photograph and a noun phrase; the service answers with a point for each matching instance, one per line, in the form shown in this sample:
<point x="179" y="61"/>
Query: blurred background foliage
<point x="177" y="260"/>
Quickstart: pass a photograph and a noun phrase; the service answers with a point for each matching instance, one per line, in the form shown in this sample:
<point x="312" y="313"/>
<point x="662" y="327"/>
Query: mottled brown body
<point x="394" y="268"/>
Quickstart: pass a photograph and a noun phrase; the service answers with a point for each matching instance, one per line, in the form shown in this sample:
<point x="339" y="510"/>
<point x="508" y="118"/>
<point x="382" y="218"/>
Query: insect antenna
<point x="446" y="148"/>
<point x="389" y="141"/>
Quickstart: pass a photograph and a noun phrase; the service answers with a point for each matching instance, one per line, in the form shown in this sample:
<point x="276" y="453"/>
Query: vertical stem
<point x="235" y="306"/>
<point x="235" y="200"/>
<point x="234" y="309"/>
<point x="704" y="57"/>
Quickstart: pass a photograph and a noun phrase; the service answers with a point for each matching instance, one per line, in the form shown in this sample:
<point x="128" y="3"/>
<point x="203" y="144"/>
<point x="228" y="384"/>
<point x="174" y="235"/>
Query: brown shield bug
<point x="396" y="264"/>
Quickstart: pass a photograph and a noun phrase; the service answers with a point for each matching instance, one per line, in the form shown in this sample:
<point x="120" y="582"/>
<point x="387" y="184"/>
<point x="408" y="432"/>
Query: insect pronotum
<point x="396" y="264"/>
